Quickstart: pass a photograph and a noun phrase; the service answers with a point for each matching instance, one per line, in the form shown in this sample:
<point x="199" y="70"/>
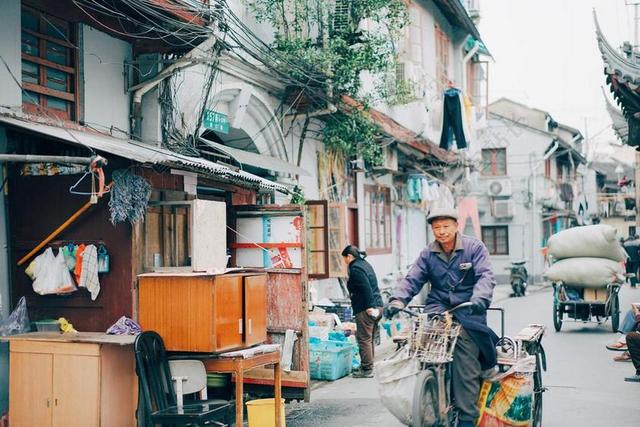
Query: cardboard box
<point x="595" y="295"/>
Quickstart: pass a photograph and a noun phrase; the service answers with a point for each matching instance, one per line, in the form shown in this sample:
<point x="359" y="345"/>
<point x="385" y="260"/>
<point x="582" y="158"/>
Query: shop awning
<point x="142" y="152"/>
<point x="258" y="160"/>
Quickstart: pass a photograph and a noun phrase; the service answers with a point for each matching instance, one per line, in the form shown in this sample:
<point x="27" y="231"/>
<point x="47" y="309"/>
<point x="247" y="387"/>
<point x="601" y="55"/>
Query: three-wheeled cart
<point x="586" y="305"/>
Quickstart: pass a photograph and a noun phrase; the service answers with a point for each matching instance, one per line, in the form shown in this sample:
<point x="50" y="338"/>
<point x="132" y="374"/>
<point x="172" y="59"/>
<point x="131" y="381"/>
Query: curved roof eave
<point x="625" y="70"/>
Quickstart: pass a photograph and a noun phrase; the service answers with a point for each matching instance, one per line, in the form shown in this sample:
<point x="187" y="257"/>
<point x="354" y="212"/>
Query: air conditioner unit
<point x="390" y="163"/>
<point x="503" y="208"/>
<point x="499" y="187"/>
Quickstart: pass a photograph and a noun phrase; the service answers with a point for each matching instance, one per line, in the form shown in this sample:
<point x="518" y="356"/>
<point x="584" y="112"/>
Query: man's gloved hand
<point x="393" y="308"/>
<point x="478" y="306"/>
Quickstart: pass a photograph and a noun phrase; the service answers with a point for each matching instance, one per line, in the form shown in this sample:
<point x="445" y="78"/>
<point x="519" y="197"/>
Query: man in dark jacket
<point x="459" y="271"/>
<point x="632" y="247"/>
<point x="367" y="306"/>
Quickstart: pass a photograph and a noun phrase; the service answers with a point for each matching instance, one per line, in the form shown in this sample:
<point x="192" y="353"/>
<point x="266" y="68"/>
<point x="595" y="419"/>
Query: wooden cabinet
<point x="203" y="312"/>
<point x="255" y="309"/>
<point x="63" y="384"/>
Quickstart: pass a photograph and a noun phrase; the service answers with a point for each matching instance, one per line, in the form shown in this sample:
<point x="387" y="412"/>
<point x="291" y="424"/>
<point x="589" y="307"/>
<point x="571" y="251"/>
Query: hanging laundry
<point x="433" y="192"/>
<point x="69" y="253"/>
<point x="89" y="272"/>
<point x="468" y="209"/>
<point x="453" y="122"/>
<point x="50" y="274"/>
<point x="78" y="267"/>
<point x="566" y="192"/>
<point x="103" y="260"/>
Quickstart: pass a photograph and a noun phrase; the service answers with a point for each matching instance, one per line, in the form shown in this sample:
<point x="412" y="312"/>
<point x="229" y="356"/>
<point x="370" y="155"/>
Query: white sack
<point x="585" y="272"/>
<point x="396" y="384"/>
<point x="597" y="241"/>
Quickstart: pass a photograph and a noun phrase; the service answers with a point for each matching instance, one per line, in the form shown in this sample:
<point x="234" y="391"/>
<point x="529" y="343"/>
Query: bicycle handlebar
<point x="457" y="307"/>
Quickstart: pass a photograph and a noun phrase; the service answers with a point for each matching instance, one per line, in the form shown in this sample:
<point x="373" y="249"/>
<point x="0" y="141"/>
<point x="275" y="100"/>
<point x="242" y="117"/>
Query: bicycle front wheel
<point x="425" y="400"/>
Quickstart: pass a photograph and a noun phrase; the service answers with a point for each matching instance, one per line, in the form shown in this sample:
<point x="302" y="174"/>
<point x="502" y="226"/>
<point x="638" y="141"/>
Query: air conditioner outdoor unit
<point x="503" y="208"/>
<point x="499" y="188"/>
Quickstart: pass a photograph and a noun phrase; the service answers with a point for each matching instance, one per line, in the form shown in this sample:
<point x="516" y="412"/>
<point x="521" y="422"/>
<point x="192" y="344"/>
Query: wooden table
<point x="238" y="366"/>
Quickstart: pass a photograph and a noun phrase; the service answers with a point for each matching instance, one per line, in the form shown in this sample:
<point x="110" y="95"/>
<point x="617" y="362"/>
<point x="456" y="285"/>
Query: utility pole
<point x="636" y="18"/>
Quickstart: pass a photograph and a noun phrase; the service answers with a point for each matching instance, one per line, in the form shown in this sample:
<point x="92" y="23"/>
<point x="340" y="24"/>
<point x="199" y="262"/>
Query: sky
<point x="547" y="57"/>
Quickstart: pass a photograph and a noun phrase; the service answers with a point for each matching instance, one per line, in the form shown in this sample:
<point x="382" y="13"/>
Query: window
<point x="443" y="44"/>
<point x="326" y="239"/>
<point x="48" y="65"/>
<point x="496" y="238"/>
<point x="494" y="162"/>
<point x="377" y="219"/>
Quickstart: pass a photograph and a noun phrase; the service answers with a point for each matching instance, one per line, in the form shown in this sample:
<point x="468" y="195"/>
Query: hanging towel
<point x="89" y="273"/>
<point x="452" y="121"/>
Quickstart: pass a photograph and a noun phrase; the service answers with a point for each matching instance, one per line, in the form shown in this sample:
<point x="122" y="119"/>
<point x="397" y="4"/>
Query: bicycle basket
<point x="433" y="339"/>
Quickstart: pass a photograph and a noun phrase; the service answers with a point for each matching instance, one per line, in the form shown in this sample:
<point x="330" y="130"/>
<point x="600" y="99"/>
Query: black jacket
<point x="363" y="286"/>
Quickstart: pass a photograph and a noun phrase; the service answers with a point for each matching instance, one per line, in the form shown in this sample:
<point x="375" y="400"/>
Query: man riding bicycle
<point x="458" y="268"/>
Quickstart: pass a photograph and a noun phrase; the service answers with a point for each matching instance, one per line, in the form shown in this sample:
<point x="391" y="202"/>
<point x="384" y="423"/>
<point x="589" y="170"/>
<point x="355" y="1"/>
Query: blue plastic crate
<point x="330" y="360"/>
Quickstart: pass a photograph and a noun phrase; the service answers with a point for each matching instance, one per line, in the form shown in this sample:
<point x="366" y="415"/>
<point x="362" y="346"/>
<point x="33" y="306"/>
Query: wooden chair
<point x="158" y="401"/>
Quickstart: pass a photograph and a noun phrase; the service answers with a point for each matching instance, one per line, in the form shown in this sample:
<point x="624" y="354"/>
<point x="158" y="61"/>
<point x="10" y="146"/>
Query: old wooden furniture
<point x="84" y="380"/>
<point x="202" y="312"/>
<point x="238" y="365"/>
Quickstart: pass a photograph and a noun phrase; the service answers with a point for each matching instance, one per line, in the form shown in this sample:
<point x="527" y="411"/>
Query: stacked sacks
<point x="589" y="257"/>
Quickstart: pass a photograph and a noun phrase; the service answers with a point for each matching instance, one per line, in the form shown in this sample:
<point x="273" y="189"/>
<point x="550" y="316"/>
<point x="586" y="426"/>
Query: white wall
<point x="525" y="149"/>
<point x="10" y="95"/>
<point x="106" y="102"/>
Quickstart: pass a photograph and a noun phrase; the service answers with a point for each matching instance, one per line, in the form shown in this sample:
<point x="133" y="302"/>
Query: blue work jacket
<point x="463" y="276"/>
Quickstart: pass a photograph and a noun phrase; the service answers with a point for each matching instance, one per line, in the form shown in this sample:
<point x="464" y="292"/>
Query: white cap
<point x="442" y="213"/>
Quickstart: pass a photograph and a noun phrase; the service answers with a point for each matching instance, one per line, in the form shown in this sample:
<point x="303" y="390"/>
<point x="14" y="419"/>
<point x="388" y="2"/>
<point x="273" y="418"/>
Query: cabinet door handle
<point x="55" y="401"/>
<point x="240" y="326"/>
<point x="250" y="328"/>
<point x="48" y="403"/>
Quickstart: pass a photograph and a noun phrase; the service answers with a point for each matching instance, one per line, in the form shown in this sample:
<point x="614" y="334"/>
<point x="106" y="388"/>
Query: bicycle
<point x="432" y="340"/>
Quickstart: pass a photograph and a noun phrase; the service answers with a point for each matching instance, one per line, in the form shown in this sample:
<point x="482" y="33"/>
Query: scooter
<point x="518" y="276"/>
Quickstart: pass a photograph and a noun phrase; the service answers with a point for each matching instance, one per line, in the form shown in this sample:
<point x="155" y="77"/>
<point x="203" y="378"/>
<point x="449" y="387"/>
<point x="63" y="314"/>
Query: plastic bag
<point x="17" y="322"/>
<point x="596" y="241"/>
<point x="585" y="272"/>
<point x="397" y="378"/>
<point x="506" y="400"/>
<point x="51" y="274"/>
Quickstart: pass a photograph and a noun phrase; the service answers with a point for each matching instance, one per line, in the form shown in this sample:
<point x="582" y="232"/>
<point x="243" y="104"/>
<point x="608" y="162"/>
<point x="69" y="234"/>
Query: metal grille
<point x="433" y="339"/>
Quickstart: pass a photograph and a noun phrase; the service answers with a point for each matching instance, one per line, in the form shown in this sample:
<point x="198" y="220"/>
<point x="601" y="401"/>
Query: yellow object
<point x="262" y="413"/>
<point x="66" y="326"/>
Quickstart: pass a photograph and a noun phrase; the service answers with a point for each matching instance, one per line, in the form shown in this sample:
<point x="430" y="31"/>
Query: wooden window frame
<point x="494" y="162"/>
<point x="376" y="223"/>
<point x="493" y="230"/>
<point x="325" y="233"/>
<point x="443" y="45"/>
<point x="71" y="95"/>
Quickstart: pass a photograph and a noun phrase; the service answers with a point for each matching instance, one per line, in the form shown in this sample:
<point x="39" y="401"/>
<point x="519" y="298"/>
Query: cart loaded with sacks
<point x="587" y="273"/>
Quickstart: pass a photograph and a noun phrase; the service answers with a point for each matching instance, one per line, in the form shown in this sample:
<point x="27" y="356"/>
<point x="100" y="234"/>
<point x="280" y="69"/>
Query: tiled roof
<point x="404" y="135"/>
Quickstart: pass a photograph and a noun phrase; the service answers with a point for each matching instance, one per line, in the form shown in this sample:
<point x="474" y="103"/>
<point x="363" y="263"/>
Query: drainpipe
<point x="466" y="59"/>
<point x="534" y="197"/>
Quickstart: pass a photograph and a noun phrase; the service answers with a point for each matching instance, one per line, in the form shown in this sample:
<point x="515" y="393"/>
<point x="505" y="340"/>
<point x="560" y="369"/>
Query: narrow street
<point x="585" y="386"/>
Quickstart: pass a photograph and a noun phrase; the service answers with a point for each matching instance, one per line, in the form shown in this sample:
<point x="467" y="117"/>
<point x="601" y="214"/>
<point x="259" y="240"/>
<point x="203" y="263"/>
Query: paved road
<point x="586" y="387"/>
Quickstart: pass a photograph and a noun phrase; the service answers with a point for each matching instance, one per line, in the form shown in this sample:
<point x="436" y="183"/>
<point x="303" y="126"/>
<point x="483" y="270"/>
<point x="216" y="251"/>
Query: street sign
<point x="215" y="121"/>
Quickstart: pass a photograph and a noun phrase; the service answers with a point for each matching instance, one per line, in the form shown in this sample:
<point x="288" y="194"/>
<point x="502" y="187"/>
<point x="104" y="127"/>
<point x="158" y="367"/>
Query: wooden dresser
<point x="83" y="380"/>
<point x="203" y="312"/>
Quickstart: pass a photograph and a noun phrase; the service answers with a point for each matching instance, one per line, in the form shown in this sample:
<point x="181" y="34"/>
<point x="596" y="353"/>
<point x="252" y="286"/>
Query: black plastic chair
<point x="157" y="397"/>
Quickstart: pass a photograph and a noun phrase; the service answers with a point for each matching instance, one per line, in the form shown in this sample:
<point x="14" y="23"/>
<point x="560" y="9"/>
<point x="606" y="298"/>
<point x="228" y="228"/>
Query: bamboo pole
<point x="56" y="232"/>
